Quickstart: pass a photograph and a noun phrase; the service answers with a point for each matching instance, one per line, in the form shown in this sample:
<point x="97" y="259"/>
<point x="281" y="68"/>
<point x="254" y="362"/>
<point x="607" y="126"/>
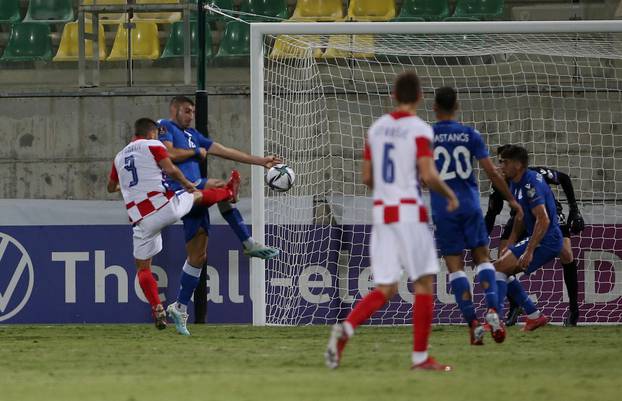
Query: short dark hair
<point x="179" y="100"/>
<point x="501" y="148"/>
<point x="446" y="99"/>
<point x="517" y="153"/>
<point x="143" y="126"/>
<point x="407" y="88"/>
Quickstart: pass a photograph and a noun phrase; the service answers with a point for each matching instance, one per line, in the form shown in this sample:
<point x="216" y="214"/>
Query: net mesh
<point x="559" y="95"/>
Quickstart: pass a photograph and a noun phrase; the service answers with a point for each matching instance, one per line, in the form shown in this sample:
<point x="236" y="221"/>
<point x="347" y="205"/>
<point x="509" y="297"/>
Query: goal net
<point x="557" y="94"/>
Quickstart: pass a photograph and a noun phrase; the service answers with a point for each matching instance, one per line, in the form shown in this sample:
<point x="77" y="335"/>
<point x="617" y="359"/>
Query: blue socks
<point x="502" y="290"/>
<point x="234" y="218"/>
<point x="188" y="282"/>
<point x="486" y="277"/>
<point x="461" y="289"/>
<point x="517" y="293"/>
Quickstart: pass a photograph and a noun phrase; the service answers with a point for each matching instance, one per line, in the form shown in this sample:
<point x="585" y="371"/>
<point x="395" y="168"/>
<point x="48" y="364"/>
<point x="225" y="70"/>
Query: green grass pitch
<point x="137" y="362"/>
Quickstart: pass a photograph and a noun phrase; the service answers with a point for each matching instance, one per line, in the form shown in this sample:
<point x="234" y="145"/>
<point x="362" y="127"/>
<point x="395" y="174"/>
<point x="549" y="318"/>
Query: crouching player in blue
<point x="456" y="146"/>
<point x="544" y="239"/>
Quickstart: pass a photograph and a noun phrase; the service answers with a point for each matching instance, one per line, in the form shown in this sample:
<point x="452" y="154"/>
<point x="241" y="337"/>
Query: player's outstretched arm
<point x="501" y="185"/>
<point x="429" y="175"/>
<point x="237" y="155"/>
<point x="179" y="155"/>
<point x="539" y="230"/>
<point x="495" y="206"/>
<point x="113" y="186"/>
<point x="169" y="168"/>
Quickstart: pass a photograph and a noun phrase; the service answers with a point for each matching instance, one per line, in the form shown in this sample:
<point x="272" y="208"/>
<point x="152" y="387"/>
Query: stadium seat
<point x="9" y="12"/>
<point x="427" y="10"/>
<point x="107" y="18"/>
<point x="49" y="11"/>
<point x="236" y="40"/>
<point x="287" y="47"/>
<point x="371" y="10"/>
<point x="265" y="8"/>
<point x="175" y="44"/>
<point x="158" y="17"/>
<point x="28" y="41"/>
<point x="145" y="42"/>
<point x="68" y="49"/>
<point x="318" y="10"/>
<point x="479" y="9"/>
<point x="338" y="46"/>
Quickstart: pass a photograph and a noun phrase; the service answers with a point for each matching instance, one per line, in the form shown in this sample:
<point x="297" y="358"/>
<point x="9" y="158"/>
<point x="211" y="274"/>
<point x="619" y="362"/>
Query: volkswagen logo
<point x="13" y="269"/>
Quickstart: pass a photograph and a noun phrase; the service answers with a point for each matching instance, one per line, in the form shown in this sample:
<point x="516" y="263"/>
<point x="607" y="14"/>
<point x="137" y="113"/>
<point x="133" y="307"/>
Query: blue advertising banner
<point x="86" y="274"/>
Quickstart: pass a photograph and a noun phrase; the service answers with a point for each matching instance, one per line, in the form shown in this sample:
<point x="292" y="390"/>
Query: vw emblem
<point x="16" y="268"/>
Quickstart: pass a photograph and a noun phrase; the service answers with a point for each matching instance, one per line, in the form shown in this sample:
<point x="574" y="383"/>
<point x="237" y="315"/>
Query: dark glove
<point x="575" y="221"/>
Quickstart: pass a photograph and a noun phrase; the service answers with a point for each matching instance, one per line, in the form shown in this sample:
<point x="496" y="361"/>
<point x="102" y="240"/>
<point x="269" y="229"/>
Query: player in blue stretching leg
<point x="187" y="148"/>
<point x="544" y="238"/>
<point x="456" y="146"/>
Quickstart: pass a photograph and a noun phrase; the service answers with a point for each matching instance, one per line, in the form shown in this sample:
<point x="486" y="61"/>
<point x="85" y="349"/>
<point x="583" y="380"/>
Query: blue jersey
<point x="456" y="147"/>
<point x="189" y="138"/>
<point x="530" y="192"/>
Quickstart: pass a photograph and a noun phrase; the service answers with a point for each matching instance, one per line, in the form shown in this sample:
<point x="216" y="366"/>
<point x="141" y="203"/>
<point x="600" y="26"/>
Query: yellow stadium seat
<point x="318" y="10"/>
<point x="158" y="18"/>
<point x="289" y="47"/>
<point x="107" y="18"/>
<point x="339" y="46"/>
<point x="371" y="10"/>
<point x="68" y="49"/>
<point x="145" y="42"/>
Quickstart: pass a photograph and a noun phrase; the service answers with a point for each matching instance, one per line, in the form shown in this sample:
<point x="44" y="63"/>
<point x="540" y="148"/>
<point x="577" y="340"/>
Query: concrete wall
<point x="62" y="147"/>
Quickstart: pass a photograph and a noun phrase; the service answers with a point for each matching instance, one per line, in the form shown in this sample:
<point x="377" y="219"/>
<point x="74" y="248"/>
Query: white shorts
<point x="147" y="238"/>
<point x="402" y="245"/>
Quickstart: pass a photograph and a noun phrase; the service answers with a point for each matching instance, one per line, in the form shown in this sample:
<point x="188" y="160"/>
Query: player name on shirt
<point x="452" y="137"/>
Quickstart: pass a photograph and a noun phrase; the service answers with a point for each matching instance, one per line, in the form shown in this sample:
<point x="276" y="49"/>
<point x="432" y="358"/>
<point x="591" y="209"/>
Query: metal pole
<point x="201" y="93"/>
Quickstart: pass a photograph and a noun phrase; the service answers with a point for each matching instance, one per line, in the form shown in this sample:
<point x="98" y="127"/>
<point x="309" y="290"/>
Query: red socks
<point x="215" y="195"/>
<point x="149" y="286"/>
<point x="422" y="321"/>
<point x="366" y="307"/>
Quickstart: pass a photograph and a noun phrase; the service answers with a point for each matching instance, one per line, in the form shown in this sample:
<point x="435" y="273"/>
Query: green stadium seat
<point x="318" y="10"/>
<point x="163" y="17"/>
<point x="175" y="43"/>
<point x="9" y="11"/>
<point x="107" y="18"/>
<point x="265" y="8"/>
<point x="426" y="10"/>
<point x="479" y="9"/>
<point x="28" y="42"/>
<point x="236" y="40"/>
<point x="49" y="11"/>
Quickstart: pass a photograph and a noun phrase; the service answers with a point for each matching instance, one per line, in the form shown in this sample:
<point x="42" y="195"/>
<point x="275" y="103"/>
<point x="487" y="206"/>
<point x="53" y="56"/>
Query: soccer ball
<point x="280" y="177"/>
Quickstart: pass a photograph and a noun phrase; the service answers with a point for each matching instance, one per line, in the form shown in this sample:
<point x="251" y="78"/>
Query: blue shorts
<point x="544" y="253"/>
<point x="197" y="218"/>
<point x="458" y="231"/>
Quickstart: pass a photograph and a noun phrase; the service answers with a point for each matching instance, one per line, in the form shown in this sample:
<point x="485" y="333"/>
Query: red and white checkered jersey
<point x="140" y="177"/>
<point x="394" y="143"/>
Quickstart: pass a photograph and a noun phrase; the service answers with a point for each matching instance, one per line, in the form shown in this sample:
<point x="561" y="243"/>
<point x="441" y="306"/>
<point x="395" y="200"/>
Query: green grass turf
<point x="136" y="362"/>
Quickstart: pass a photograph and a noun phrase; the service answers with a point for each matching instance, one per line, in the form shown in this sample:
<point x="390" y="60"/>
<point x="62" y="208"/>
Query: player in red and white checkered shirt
<point x="137" y="172"/>
<point x="397" y="155"/>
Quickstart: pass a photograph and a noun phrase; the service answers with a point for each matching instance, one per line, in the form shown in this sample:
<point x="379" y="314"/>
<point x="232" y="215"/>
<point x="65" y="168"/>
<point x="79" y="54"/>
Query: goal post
<point x="555" y="87"/>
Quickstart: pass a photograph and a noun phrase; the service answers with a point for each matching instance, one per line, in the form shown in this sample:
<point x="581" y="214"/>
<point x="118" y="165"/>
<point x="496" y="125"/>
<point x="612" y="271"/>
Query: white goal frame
<point x="257" y="56"/>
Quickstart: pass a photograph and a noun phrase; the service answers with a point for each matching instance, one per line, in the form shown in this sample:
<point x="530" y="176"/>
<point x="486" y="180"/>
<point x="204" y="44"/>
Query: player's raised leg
<point x="235" y="220"/>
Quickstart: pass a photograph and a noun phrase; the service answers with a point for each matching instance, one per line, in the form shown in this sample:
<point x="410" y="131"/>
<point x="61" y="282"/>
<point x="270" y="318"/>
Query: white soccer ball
<point x="280" y="177"/>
